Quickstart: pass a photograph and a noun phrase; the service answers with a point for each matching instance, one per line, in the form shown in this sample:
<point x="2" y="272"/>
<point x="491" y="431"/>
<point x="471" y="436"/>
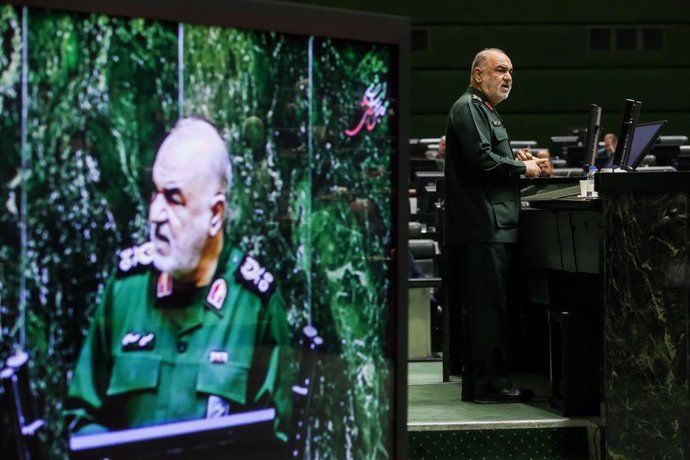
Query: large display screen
<point x="155" y="299"/>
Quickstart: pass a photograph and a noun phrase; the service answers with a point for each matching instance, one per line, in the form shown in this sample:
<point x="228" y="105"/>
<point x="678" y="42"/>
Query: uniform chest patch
<point x="138" y="341"/>
<point x="497" y="123"/>
<point x="217" y="293"/>
<point x="255" y="277"/>
<point x="218" y="357"/>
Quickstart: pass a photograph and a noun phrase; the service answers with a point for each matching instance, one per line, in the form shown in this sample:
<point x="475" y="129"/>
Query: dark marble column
<point x="646" y="316"/>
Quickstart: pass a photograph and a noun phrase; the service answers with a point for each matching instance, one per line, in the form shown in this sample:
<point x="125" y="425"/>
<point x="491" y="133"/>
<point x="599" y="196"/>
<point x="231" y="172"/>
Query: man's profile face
<point x="496" y="77"/>
<point x="180" y="210"/>
<point x="610" y="144"/>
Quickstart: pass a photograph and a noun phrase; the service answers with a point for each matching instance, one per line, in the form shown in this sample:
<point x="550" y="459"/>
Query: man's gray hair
<point x="481" y="57"/>
<point x="219" y="156"/>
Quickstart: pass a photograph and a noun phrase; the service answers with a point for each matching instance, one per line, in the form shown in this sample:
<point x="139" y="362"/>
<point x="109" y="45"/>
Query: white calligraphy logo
<point x="256" y="274"/>
<point x="375" y="108"/>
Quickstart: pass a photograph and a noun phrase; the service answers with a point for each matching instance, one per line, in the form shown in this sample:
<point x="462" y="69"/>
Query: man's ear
<point x="477" y="74"/>
<point x="217" y="215"/>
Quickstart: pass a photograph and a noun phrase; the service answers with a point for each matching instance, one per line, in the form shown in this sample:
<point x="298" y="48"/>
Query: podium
<point x="234" y="436"/>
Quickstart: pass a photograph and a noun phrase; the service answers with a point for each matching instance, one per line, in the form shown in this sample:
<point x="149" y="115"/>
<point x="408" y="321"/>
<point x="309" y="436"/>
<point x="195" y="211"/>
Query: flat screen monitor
<point x="559" y="145"/>
<point x="575" y="156"/>
<point x="643" y="139"/>
<point x="667" y="149"/>
<point x="156" y="288"/>
<point x="631" y="112"/>
<point x="593" y="129"/>
<point x="422" y="148"/>
<point x="425" y="185"/>
<point x="418" y="165"/>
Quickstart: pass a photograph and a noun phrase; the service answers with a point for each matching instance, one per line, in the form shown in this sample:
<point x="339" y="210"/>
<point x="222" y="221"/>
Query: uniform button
<point x="182" y="347"/>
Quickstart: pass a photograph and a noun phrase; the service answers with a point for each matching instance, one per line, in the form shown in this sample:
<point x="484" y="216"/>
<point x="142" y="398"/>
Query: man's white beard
<point x="184" y="254"/>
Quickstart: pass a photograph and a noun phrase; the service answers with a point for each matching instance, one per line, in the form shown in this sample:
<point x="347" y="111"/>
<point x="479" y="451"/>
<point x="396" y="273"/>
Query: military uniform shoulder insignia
<point x="480" y="101"/>
<point x="135" y="259"/>
<point x="254" y="277"/>
<point x="164" y="285"/>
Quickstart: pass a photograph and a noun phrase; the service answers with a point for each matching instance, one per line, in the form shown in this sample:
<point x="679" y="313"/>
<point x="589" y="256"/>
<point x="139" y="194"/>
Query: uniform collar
<point x="184" y="295"/>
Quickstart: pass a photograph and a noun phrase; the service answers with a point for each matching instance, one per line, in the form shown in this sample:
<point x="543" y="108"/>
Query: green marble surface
<point x="646" y="325"/>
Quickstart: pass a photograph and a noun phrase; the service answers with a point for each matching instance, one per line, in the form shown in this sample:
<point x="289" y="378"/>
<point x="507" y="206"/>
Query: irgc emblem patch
<point x="255" y="277"/>
<point x="136" y="257"/>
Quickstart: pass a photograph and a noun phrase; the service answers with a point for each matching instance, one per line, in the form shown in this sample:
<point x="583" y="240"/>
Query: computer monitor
<point x="521" y="144"/>
<point x="575" y="156"/>
<point x="593" y="127"/>
<point x="312" y="105"/>
<point x="425" y="165"/>
<point x="560" y="145"/>
<point x="667" y="149"/>
<point x="630" y="116"/>
<point x="425" y="179"/>
<point x="643" y="138"/>
<point x="419" y="147"/>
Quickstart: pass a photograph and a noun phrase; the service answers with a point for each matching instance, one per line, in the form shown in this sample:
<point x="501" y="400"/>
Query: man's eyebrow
<point x="171" y="191"/>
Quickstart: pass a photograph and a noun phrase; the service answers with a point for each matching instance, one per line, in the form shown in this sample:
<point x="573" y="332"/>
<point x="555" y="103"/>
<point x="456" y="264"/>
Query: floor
<point x="430" y="400"/>
<point x="434" y="407"/>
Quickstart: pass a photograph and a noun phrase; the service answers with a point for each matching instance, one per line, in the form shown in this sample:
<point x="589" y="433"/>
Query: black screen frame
<point x="303" y="20"/>
<point x="627" y="130"/>
<point x="636" y="157"/>
<point x="593" y="128"/>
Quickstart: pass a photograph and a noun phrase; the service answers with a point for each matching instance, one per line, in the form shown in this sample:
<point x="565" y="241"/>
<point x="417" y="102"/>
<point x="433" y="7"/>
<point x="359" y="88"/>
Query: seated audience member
<point x="439" y="153"/>
<point x="414" y="271"/>
<point x="610" y="143"/>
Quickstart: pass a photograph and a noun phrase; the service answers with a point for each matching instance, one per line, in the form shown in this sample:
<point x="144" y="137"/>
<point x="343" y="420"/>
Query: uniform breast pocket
<point x="500" y="134"/>
<point x="228" y="380"/>
<point x="501" y="141"/>
<point x="134" y="373"/>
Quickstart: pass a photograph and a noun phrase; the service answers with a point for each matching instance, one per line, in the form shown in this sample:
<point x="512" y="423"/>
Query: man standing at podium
<point x="481" y="224"/>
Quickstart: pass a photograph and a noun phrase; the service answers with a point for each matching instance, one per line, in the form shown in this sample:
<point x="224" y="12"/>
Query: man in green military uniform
<point x="188" y="328"/>
<point x="481" y="222"/>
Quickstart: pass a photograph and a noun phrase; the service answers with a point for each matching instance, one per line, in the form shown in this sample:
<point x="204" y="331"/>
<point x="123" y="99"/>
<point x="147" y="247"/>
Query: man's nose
<point x="157" y="210"/>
